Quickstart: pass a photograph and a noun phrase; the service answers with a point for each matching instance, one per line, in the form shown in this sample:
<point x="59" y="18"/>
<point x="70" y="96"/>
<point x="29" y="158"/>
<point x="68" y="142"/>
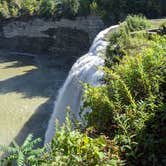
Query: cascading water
<point x="84" y="70"/>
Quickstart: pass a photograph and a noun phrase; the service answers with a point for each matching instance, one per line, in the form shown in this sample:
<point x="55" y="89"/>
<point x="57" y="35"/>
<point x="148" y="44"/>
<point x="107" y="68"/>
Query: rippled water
<point x="28" y="87"/>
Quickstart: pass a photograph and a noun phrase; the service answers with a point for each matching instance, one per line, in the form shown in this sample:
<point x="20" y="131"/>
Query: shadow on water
<point x="44" y="80"/>
<point x="37" y="124"/>
<point x="38" y="81"/>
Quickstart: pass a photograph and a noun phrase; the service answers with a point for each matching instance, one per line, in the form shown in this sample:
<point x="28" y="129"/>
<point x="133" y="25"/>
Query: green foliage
<point x="111" y="11"/>
<point x="126" y="39"/>
<point x="71" y="147"/>
<point x="29" y="7"/>
<point x="47" y="8"/>
<point x="14" y="7"/>
<point x="69" y="8"/>
<point x="23" y="155"/>
<point x="137" y="23"/>
<point x="131" y="103"/>
<point x="4" y="10"/>
<point x="94" y="7"/>
<point x="84" y="9"/>
<point x="73" y="6"/>
<point x="117" y="10"/>
<point x="98" y="116"/>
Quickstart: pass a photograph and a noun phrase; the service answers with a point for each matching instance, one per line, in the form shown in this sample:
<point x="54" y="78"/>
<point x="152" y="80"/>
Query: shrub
<point x="70" y="8"/>
<point x="23" y="155"/>
<point x="111" y="11"/>
<point x="94" y="7"/>
<point x="132" y="97"/>
<point x="29" y="7"/>
<point x="137" y="23"/>
<point x="47" y="8"/>
<point x="125" y="41"/>
<point x="71" y="147"/>
<point x="14" y="7"/>
<point x="84" y="9"/>
<point x="4" y="10"/>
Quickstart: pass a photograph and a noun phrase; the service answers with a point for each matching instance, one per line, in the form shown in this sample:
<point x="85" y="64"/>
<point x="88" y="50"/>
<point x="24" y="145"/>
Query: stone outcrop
<point x="58" y="37"/>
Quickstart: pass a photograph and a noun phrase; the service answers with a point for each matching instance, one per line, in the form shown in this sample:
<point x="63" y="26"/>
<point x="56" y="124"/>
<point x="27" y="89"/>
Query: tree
<point x="70" y="8"/>
<point x="48" y="8"/>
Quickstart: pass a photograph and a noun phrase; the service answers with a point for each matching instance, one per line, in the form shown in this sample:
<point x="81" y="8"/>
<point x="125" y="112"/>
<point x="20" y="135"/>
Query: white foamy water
<point x="86" y="70"/>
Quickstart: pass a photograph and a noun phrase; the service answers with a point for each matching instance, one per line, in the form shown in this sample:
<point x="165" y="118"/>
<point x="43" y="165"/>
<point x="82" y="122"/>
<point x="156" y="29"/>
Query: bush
<point x="47" y="8"/>
<point x="22" y="155"/>
<point x="126" y="39"/>
<point x="111" y="11"/>
<point x="69" y="8"/>
<point x="130" y="101"/>
<point x="71" y="147"/>
<point x="137" y="23"/>
<point x="14" y="8"/>
<point x="84" y="9"/>
<point x="29" y="7"/>
<point x="4" y="10"/>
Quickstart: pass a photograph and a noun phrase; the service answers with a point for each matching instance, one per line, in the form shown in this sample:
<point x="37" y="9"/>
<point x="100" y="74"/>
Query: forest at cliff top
<point x="111" y="11"/>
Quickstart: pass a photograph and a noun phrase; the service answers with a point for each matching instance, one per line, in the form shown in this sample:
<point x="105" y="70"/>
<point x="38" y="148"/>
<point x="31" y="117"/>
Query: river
<point x="28" y="88"/>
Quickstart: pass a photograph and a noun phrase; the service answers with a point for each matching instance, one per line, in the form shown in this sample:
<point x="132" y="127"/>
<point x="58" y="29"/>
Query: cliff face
<point x="59" y="37"/>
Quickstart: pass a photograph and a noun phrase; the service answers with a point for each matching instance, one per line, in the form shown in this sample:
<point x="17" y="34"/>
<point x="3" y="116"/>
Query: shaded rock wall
<point x="59" y="37"/>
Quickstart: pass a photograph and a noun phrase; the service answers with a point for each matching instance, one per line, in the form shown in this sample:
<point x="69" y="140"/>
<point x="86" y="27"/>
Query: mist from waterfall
<point x="86" y="70"/>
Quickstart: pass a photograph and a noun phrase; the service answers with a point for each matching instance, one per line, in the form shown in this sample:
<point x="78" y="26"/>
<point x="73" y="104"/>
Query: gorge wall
<point x="58" y="37"/>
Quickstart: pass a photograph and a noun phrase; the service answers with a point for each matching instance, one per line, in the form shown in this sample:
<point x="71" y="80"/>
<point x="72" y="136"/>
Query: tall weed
<point x="133" y="93"/>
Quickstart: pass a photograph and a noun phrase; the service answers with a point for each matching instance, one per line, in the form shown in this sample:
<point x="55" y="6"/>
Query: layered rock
<point x="61" y="37"/>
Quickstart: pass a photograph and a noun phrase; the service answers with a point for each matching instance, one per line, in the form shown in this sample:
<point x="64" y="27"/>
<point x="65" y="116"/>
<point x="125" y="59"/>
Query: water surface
<point x="28" y="87"/>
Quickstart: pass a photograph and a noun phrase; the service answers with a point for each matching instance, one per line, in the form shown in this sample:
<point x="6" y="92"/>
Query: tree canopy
<point x="110" y="10"/>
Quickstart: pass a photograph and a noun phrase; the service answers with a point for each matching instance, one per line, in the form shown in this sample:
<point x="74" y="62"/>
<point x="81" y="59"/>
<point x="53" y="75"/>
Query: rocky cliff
<point x="58" y="37"/>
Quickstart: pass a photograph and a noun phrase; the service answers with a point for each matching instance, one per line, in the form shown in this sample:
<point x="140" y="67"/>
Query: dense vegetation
<point x="110" y="10"/>
<point x="117" y="10"/>
<point x="130" y="106"/>
<point x="127" y="123"/>
<point x="22" y="155"/>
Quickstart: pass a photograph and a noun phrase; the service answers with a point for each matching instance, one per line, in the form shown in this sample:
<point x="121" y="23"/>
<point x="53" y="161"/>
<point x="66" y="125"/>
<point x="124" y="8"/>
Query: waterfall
<point x="84" y="70"/>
